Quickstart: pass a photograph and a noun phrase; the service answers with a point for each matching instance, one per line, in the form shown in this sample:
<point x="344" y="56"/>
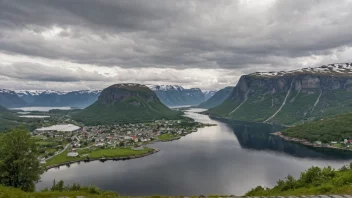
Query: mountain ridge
<point x="290" y="97"/>
<point x="79" y="98"/>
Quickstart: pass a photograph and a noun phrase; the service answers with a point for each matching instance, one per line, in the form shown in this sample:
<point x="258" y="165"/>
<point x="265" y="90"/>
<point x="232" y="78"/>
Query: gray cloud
<point x="245" y="36"/>
<point x="37" y="72"/>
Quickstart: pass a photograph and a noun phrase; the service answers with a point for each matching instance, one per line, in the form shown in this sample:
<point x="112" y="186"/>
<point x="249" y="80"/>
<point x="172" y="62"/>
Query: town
<point x="68" y="142"/>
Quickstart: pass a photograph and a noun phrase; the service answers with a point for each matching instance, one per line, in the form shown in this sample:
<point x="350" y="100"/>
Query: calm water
<point x="230" y="158"/>
<point x="44" y="109"/>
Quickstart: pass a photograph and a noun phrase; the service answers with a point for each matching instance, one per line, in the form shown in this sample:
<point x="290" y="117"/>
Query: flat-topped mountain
<point x="290" y="97"/>
<point x="174" y="95"/>
<point x="217" y="98"/>
<point x="121" y="103"/>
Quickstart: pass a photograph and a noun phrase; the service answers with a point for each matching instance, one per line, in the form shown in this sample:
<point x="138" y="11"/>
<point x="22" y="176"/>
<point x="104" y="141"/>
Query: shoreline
<point x="125" y="157"/>
<point x="306" y="142"/>
<point x="122" y="158"/>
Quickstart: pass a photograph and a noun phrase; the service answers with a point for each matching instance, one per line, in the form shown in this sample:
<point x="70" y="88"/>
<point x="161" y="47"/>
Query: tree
<point x="19" y="164"/>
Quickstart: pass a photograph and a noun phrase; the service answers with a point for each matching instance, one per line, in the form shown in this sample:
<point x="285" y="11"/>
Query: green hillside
<point x="126" y="104"/>
<point x="66" y="191"/>
<point x="335" y="128"/>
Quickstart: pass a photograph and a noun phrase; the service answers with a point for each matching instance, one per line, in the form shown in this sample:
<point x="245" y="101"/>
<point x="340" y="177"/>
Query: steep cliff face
<point x="290" y="97"/>
<point x="126" y="103"/>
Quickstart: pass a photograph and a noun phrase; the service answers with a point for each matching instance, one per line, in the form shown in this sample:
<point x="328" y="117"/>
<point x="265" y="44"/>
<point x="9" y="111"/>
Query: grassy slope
<point x="296" y="109"/>
<point x="314" y="181"/>
<point x="125" y="111"/>
<point x="166" y="137"/>
<point x="258" y="107"/>
<point x="96" y="154"/>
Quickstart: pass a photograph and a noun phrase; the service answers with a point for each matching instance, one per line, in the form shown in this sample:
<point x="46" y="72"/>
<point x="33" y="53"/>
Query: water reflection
<point x="258" y="136"/>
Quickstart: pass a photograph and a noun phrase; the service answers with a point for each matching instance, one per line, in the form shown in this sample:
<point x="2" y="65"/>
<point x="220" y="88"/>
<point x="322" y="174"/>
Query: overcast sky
<point x="90" y="44"/>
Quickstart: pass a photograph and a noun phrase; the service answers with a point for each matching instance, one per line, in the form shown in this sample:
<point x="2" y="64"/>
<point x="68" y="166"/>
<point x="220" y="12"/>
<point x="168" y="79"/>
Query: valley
<point x="295" y="115"/>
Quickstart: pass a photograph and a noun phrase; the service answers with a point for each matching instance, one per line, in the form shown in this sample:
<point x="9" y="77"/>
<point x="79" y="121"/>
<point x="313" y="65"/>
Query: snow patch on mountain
<point x="165" y="87"/>
<point x="6" y="91"/>
<point x="22" y="93"/>
<point x="335" y="68"/>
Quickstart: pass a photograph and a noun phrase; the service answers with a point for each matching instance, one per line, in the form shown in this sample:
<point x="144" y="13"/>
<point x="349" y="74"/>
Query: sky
<point x="209" y="44"/>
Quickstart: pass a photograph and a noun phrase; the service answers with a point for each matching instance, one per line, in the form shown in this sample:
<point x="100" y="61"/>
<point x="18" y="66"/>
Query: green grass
<point x="45" y="143"/>
<point x="167" y="136"/>
<point x="88" y="192"/>
<point x="314" y="181"/>
<point x="96" y="154"/>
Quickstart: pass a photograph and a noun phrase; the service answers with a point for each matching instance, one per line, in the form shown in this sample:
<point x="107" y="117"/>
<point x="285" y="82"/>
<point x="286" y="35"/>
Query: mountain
<point x="290" y="97"/>
<point x="10" y="99"/>
<point x="219" y="97"/>
<point x="126" y="103"/>
<point x="208" y="94"/>
<point x="174" y="95"/>
<point x="82" y="98"/>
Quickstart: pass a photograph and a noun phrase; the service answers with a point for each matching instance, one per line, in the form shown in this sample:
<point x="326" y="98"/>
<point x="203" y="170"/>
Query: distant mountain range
<point x="208" y="94"/>
<point x="80" y="99"/>
<point x="170" y="95"/>
<point x="217" y="98"/>
<point x="174" y="95"/>
<point x="10" y="99"/>
<point x="290" y="97"/>
<point x="126" y="103"/>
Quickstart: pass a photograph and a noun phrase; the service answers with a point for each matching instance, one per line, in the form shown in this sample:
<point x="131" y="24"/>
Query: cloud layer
<point x="205" y="43"/>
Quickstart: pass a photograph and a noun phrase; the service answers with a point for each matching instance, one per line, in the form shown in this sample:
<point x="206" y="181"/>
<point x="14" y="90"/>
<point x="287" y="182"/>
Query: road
<point x="59" y="152"/>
